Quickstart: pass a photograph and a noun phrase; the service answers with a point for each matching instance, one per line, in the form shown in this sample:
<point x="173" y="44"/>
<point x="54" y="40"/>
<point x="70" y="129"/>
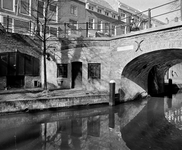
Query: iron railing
<point x="133" y="22"/>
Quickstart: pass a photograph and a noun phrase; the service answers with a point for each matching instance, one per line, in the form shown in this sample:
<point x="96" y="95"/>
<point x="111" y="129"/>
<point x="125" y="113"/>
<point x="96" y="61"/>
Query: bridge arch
<point x="150" y="68"/>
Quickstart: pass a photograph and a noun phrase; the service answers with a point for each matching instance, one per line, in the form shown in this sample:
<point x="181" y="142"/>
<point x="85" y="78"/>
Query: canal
<point x="153" y="123"/>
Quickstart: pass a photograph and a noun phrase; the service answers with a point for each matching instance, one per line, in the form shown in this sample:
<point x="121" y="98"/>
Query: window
<point x="52" y="11"/>
<point x="107" y="27"/>
<point x="40" y="9"/>
<point x="3" y="64"/>
<point x="99" y="25"/>
<point x="73" y="26"/>
<point x="21" y="26"/>
<point x="73" y="10"/>
<point x="94" y="70"/>
<point x="7" y="22"/>
<point x="52" y="8"/>
<point x="62" y="70"/>
<point x="91" y="23"/>
<point x="123" y="29"/>
<point x="99" y="10"/>
<point x="28" y="65"/>
<point x="123" y="16"/>
<point x="113" y="15"/>
<point x="113" y="30"/>
<point x="18" y="64"/>
<point x="24" y="9"/>
<point x="107" y="13"/>
<point x="53" y="31"/>
<point x="31" y="65"/>
<point x="8" y="4"/>
<point x="91" y="7"/>
<point x="50" y="30"/>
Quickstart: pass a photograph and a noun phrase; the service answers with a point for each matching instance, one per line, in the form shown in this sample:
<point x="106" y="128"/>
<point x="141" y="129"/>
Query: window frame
<point x="99" y="10"/>
<point x="11" y="24"/>
<point x="90" y="7"/>
<point x="91" y="24"/>
<point x="55" y="13"/>
<point x="2" y="4"/>
<point x="29" y="8"/>
<point x="65" y="71"/>
<point x="96" y="72"/>
<point x="74" y="10"/>
<point x="113" y="29"/>
<point x="123" y="16"/>
<point x="23" y="21"/>
<point x="99" y="25"/>
<point x="107" y="24"/>
<point x="38" y="13"/>
<point x="106" y="13"/>
<point x="114" y="16"/>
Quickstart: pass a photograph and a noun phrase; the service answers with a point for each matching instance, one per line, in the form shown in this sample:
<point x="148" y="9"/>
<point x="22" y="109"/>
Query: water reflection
<point x="154" y="123"/>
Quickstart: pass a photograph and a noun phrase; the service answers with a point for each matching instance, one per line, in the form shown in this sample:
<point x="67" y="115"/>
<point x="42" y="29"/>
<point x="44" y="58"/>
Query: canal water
<point x="153" y="123"/>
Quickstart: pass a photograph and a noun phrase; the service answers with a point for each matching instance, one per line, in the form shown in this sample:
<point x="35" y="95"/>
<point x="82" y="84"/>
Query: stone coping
<point x="26" y="105"/>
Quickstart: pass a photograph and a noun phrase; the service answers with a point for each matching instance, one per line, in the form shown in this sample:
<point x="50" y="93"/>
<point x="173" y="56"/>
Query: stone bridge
<point x="144" y="57"/>
<point x="138" y="61"/>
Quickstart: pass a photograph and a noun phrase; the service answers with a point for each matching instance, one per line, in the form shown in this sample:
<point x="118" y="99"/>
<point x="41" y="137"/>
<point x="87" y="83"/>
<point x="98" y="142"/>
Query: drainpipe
<point x="181" y="9"/>
<point x="86" y="29"/>
<point x="149" y="18"/>
<point x="7" y="26"/>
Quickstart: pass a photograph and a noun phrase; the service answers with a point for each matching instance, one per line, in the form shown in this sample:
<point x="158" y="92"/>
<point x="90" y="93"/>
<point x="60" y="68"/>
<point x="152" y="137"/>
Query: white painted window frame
<point x="29" y="9"/>
<point x="2" y="3"/>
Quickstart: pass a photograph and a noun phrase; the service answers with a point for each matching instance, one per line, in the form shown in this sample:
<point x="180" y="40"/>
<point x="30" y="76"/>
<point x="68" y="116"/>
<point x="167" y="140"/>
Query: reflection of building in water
<point x="175" y="117"/>
<point x="173" y="110"/>
<point x="82" y="133"/>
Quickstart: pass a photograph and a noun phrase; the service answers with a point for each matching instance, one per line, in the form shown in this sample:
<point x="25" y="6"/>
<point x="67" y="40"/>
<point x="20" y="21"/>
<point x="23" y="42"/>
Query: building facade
<point x="75" y="67"/>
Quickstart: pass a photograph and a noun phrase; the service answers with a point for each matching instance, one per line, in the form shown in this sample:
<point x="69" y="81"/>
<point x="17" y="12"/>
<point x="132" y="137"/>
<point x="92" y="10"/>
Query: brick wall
<point x="29" y="81"/>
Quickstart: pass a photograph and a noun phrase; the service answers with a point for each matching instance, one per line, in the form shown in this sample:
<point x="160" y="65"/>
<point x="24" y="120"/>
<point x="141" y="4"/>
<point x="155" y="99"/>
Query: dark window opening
<point x="62" y="70"/>
<point x="94" y="70"/>
<point x="3" y="64"/>
<point x="16" y="64"/>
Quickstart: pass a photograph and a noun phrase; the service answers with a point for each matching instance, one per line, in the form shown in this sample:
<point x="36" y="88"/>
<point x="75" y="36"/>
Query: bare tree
<point x="43" y="14"/>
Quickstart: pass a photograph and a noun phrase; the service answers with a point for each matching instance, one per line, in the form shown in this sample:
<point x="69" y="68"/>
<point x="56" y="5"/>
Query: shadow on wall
<point x="129" y="90"/>
<point x="51" y="86"/>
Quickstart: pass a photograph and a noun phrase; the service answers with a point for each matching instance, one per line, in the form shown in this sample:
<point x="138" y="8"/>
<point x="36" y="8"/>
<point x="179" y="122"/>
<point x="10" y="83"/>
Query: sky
<point x="143" y="5"/>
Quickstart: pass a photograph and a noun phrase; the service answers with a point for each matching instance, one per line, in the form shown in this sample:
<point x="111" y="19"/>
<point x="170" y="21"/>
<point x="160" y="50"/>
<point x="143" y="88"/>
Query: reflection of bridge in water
<point x="151" y="130"/>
